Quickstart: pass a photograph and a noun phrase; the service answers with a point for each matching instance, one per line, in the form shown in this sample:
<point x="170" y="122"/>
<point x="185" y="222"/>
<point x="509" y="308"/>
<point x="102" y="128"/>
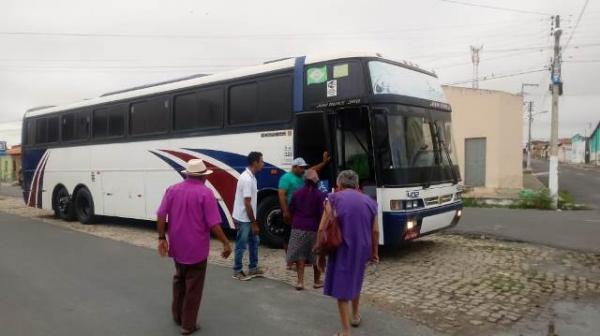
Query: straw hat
<point x="196" y="167"/>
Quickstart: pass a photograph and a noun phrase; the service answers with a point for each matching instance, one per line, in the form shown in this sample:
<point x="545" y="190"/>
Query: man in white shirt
<point x="244" y="215"/>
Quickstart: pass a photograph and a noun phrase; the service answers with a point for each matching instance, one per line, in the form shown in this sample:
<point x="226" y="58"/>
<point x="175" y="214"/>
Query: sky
<point x="57" y="52"/>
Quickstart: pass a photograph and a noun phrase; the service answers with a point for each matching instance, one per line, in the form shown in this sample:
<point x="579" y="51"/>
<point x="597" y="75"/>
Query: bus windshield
<point x="389" y="78"/>
<point x="414" y="146"/>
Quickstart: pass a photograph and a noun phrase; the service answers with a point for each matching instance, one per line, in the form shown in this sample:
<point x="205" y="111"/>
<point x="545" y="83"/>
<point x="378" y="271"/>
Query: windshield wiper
<point x="444" y="147"/>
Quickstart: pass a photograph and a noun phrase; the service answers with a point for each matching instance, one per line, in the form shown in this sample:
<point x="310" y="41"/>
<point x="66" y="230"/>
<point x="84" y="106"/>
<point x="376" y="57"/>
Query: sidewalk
<point x="575" y="230"/>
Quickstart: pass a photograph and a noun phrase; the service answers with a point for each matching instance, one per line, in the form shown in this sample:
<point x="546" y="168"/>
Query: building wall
<point x="7" y="168"/>
<point x="578" y="149"/>
<point x="496" y="116"/>
<point x="564" y="153"/>
<point x="595" y="146"/>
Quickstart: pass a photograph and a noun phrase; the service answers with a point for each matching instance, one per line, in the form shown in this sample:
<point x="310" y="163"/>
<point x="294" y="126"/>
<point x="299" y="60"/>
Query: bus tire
<point x="84" y="206"/>
<point x="62" y="203"/>
<point x="270" y="220"/>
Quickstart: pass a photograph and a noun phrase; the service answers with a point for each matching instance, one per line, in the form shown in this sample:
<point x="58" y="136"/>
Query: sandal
<point x="299" y="287"/>
<point x="318" y="285"/>
<point x="189" y="332"/>
<point x="356" y="322"/>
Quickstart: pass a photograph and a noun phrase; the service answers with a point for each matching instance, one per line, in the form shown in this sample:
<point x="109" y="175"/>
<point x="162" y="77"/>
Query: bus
<point x="115" y="155"/>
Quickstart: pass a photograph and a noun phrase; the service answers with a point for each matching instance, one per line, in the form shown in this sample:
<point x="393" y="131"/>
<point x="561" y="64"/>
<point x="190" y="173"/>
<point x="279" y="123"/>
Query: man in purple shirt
<point x="192" y="213"/>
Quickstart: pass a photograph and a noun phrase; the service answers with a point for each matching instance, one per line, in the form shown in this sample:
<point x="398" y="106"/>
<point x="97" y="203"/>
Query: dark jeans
<point x="188" y="284"/>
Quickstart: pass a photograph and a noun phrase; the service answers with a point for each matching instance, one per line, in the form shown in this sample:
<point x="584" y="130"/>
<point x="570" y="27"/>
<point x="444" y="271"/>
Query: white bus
<point x="116" y="154"/>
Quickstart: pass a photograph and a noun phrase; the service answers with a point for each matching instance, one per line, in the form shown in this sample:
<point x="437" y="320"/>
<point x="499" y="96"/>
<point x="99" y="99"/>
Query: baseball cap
<point x="299" y="162"/>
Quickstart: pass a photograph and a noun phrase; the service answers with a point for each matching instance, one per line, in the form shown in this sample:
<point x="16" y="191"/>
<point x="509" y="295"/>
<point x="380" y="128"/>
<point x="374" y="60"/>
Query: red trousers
<point x="188" y="284"/>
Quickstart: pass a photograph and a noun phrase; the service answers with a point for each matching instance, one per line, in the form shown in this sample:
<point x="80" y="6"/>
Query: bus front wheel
<point x="271" y="223"/>
<point x="63" y="205"/>
<point x="84" y="206"/>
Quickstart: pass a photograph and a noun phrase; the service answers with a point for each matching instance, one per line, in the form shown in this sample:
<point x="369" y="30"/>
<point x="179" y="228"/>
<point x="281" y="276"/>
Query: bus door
<point x="311" y="140"/>
<point x="350" y="129"/>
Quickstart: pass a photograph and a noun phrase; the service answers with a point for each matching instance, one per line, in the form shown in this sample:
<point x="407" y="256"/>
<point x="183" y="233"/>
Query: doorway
<point x="475" y="150"/>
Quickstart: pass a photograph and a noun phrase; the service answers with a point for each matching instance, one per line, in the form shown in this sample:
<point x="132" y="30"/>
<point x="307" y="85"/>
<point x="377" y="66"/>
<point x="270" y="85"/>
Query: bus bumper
<point x="407" y="225"/>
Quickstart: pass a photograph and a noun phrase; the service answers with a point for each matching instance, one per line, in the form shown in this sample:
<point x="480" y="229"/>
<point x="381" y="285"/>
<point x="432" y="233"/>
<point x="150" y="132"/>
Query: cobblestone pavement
<point x="455" y="284"/>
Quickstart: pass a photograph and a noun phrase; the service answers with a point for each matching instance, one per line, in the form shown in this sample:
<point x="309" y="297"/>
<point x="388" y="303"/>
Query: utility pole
<point x="529" y="109"/>
<point x="475" y="59"/>
<point x="530" y="117"/>
<point x="556" y="88"/>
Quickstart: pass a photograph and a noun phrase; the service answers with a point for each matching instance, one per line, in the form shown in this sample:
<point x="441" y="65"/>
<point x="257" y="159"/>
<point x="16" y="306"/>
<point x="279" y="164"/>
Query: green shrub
<point x="534" y="199"/>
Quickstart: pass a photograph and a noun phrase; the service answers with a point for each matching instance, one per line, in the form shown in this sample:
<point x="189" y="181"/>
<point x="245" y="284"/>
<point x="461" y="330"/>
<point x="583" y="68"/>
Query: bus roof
<point x="194" y="80"/>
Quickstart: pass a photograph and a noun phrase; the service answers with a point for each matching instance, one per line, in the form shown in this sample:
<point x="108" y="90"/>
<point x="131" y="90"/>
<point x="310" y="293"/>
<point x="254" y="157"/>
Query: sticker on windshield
<point x="316" y="75"/>
<point x="340" y="70"/>
<point x="332" y="88"/>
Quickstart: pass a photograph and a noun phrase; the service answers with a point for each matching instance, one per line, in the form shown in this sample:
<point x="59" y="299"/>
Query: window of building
<point x="109" y="122"/>
<point x="75" y="126"/>
<point x="266" y="101"/>
<point x="150" y="116"/>
<point x="198" y="110"/>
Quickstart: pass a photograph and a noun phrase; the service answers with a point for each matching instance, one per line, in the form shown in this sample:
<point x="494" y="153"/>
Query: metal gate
<point x="475" y="162"/>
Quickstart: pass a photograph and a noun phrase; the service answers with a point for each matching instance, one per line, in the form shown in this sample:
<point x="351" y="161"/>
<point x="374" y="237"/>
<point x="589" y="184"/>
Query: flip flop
<point x="356" y="322"/>
<point x="299" y="287"/>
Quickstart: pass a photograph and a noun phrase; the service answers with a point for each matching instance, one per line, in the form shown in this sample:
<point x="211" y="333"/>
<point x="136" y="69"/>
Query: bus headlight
<point x="410" y="224"/>
<point x="396" y="204"/>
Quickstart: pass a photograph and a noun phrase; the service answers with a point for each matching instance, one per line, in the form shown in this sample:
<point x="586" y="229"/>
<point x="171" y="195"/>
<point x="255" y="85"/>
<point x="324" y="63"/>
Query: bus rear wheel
<point x="84" y="206"/>
<point x="63" y="205"/>
<point x="270" y="219"/>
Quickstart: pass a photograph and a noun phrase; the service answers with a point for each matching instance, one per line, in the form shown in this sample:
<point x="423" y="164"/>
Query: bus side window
<point x="41" y="130"/>
<point x="149" y="117"/>
<point x="30" y="132"/>
<point x="75" y="126"/>
<point x="198" y="110"/>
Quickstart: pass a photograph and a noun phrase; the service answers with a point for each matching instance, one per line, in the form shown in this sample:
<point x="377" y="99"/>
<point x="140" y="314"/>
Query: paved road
<point x="582" y="183"/>
<point x="576" y="230"/>
<point x="60" y="282"/>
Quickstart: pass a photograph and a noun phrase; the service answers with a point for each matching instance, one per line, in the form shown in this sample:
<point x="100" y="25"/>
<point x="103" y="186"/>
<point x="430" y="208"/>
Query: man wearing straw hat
<point x="191" y="210"/>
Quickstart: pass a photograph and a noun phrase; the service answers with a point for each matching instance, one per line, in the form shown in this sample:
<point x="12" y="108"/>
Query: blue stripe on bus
<point x="171" y="163"/>
<point x="299" y="84"/>
<point x="235" y="161"/>
<point x="30" y="160"/>
<point x="268" y="178"/>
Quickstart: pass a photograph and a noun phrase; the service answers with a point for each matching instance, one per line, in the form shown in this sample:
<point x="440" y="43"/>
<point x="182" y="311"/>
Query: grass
<point x="530" y="199"/>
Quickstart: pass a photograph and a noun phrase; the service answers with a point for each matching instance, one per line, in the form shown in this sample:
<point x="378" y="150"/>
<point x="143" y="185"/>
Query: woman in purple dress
<point x="357" y="217"/>
<point x="306" y="209"/>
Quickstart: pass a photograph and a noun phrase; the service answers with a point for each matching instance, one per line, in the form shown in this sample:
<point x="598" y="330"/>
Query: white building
<point x="578" y="144"/>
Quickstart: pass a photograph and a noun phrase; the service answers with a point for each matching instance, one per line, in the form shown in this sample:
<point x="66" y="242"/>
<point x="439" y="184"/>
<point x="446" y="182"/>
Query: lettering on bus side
<point x="273" y="134"/>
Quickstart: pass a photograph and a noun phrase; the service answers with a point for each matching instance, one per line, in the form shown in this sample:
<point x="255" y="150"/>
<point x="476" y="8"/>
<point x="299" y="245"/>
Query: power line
<point x="522" y="11"/>
<point x="576" y="24"/>
<point x="493" y="76"/>
<point x="235" y="36"/>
